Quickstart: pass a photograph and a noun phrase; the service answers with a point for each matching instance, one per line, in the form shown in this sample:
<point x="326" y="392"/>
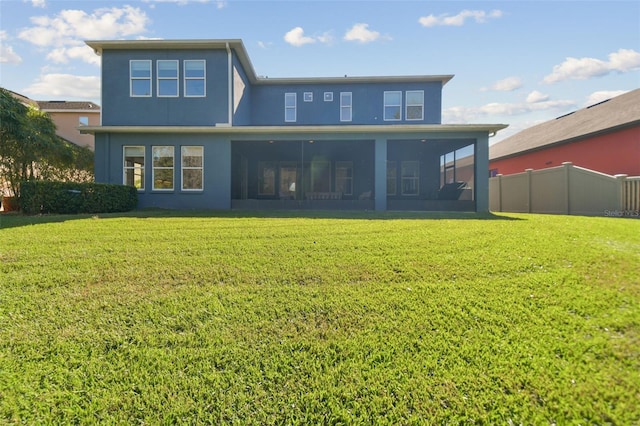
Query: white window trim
<point x="153" y="170"/>
<point x="406" y="112"/>
<point x="183" y="168"/>
<point x="328" y="96"/>
<point x="385" y="105"/>
<point x="125" y="168"/>
<point x="349" y="107"/>
<point x="307" y="97"/>
<point x="294" y="107"/>
<point x="176" y="78"/>
<point x="131" y="78"/>
<point x="203" y="78"/>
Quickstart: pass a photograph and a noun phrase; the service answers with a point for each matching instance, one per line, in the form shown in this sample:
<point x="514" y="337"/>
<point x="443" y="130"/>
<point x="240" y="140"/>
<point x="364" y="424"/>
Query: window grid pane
<point x="410" y="177"/>
<point x="346" y="109"/>
<point x="163" y="167"/>
<point x="133" y="169"/>
<point x="192" y="168"/>
<point x="194" y="78"/>
<point x="415" y="105"/>
<point x="140" y="78"/>
<point x="167" y="78"/>
<point x="289" y="107"/>
<point x="392" y="106"/>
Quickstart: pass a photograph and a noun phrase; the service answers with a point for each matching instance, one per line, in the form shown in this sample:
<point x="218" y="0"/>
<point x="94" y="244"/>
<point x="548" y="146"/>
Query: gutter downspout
<point x="230" y="82"/>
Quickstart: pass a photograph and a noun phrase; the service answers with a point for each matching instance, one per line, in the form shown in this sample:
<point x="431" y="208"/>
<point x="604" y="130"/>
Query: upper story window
<point x="415" y="105"/>
<point x="140" y="75"/>
<point x="195" y="78"/>
<point x="392" y="106"/>
<point x="289" y="107"/>
<point x="346" y="106"/>
<point x="328" y="96"/>
<point x="167" y="73"/>
<point x="83" y="120"/>
<point x="133" y="167"/>
<point x="308" y="96"/>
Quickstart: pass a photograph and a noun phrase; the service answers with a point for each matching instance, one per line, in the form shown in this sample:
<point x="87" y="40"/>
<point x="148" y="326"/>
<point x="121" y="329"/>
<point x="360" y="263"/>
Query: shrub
<point x="72" y="197"/>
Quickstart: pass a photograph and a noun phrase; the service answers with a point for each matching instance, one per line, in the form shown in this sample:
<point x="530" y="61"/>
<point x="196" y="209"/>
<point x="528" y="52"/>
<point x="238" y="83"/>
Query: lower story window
<point x="163" y="163"/>
<point x="134" y="167"/>
<point x="192" y="168"/>
<point x="410" y="177"/>
<point x="344" y="177"/>
<point x="267" y="178"/>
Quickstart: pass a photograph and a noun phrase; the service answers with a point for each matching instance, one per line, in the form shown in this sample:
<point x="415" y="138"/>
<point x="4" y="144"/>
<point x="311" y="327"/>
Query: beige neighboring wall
<point x="66" y="116"/>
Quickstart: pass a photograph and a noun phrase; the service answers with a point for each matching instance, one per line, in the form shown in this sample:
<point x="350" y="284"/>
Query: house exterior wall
<point x="216" y="192"/>
<point x="268" y="103"/>
<point x="612" y="153"/>
<point x="67" y="124"/>
<point x="121" y="109"/>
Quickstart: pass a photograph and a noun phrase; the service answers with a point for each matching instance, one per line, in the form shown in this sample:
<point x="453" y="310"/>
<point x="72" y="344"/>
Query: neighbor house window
<point x="410" y="177"/>
<point x="83" y="120"/>
<point x="392" y="106"/>
<point x="162" y="167"/>
<point x="167" y="74"/>
<point x="290" y="107"/>
<point x="140" y="75"/>
<point x="192" y="168"/>
<point x="133" y="170"/>
<point x="344" y="177"/>
<point x="392" y="179"/>
<point x="346" y="104"/>
<point x="194" y="78"/>
<point x="415" y="105"/>
<point x="266" y="178"/>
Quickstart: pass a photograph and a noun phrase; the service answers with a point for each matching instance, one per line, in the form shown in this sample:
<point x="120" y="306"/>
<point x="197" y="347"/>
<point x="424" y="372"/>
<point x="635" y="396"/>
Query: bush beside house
<point x="72" y="198"/>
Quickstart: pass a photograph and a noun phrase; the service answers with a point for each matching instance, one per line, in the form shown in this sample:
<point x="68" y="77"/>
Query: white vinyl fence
<point x="566" y="189"/>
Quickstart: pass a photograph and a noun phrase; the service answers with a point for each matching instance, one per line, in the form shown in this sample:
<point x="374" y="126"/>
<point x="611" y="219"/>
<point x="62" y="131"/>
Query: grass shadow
<point x="15" y="219"/>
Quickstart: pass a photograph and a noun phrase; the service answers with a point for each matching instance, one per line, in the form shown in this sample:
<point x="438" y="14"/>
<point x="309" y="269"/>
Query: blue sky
<point x="515" y="62"/>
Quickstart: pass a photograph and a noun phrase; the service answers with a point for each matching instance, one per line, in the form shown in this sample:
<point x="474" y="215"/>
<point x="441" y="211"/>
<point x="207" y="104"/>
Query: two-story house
<point x="191" y="125"/>
<point x="69" y="115"/>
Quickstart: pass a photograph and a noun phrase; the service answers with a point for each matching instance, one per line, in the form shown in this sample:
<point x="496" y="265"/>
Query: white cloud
<point x="624" y="60"/>
<point x="296" y="37"/>
<point x="264" y="44"/>
<point x="480" y="16"/>
<point x="505" y="85"/>
<point x="37" y="3"/>
<point x="62" y="55"/>
<point x="603" y="95"/>
<point x="470" y="114"/>
<point x="65" y="86"/>
<point x="360" y="32"/>
<point x="72" y="26"/>
<point x="66" y="31"/>
<point x="536" y="96"/>
<point x="7" y="55"/>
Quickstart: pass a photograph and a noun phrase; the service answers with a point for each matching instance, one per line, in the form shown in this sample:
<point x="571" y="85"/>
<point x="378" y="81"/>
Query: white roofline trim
<point x="424" y="128"/>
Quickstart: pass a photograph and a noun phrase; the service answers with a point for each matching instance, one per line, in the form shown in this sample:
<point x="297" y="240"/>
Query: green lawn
<point x="155" y="317"/>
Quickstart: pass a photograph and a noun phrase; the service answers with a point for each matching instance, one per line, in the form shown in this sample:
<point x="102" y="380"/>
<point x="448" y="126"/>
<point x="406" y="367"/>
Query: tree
<point x="31" y="150"/>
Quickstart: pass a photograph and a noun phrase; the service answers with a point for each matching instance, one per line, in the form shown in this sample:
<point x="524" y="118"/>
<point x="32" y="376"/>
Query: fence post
<point x="529" y="186"/>
<point x="567" y="187"/>
<point x="621" y="193"/>
<point x="499" y="176"/>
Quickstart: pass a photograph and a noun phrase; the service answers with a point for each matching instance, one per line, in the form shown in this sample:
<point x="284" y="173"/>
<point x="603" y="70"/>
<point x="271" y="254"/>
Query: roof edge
<point x="373" y="128"/>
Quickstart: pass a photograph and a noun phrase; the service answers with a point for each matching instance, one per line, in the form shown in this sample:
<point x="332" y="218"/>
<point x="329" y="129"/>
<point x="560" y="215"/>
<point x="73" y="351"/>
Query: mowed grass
<point x="154" y="318"/>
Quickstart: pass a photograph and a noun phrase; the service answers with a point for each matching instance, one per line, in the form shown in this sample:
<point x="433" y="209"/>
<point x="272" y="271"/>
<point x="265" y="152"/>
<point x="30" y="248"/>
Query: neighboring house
<point x="604" y="137"/>
<point x="69" y="115"/>
<point x="191" y="125"/>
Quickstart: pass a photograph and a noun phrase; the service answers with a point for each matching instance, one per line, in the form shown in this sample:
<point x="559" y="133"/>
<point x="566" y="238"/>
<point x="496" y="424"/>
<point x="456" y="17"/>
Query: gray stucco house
<point x="191" y="125"/>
